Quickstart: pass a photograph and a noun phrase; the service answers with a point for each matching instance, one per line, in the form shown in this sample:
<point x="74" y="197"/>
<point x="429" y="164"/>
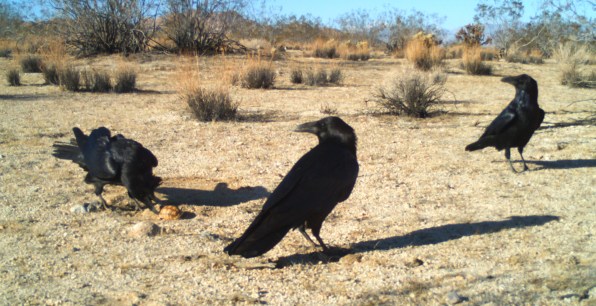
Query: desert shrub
<point x="412" y="93"/>
<point x="13" y="76"/>
<point x="258" y="75"/>
<point x="358" y="56"/>
<point x="423" y="55"/>
<point x="518" y="56"/>
<point x="573" y="60"/>
<point x="355" y="52"/>
<point x="101" y="82"/>
<point x="573" y="77"/>
<point x="322" y="77"/>
<point x="326" y="52"/>
<point x="335" y="76"/>
<point x="296" y="76"/>
<point x="31" y="63"/>
<point x="316" y="77"/>
<point x="325" y="49"/>
<point x="50" y="74"/>
<point x="6" y="53"/>
<point x="211" y="104"/>
<point x="472" y="62"/>
<point x="126" y="80"/>
<point x="96" y="81"/>
<point x="70" y="78"/>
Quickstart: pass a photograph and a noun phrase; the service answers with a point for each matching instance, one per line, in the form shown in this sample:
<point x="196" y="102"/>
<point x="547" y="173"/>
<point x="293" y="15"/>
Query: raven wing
<point x="502" y="122"/>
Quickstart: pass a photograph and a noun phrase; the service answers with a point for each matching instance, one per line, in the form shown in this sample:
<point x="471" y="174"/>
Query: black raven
<point x="517" y="122"/>
<point x="322" y="178"/>
<point x="113" y="161"/>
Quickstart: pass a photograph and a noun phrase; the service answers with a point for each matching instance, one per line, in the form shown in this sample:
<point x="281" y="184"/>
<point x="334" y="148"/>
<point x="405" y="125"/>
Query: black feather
<point x="321" y="179"/>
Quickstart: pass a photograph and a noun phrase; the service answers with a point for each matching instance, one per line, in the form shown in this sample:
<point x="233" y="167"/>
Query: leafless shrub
<point x="211" y="104"/>
<point x="13" y="76"/>
<point x="103" y="26"/>
<point x="202" y="26"/>
<point x="412" y="93"/>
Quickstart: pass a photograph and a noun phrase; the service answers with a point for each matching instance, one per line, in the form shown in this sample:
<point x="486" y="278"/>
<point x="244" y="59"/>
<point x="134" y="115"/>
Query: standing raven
<point x="322" y="178"/>
<point x="113" y="161"/>
<point x="517" y="122"/>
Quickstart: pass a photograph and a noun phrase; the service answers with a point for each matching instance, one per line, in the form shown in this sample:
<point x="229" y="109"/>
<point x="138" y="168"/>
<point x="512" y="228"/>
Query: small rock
<point x="144" y="228"/>
<point x="454" y="298"/>
<point x="79" y="209"/>
<point x="351" y="259"/>
<point x="416" y="262"/>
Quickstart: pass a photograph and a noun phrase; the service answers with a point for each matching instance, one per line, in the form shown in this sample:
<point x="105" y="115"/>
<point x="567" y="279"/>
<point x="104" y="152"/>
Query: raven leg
<point x="508" y="156"/>
<point x="150" y="205"/>
<point x="98" y="192"/>
<point x="302" y="230"/>
<point x="521" y="150"/>
<point x="315" y="232"/>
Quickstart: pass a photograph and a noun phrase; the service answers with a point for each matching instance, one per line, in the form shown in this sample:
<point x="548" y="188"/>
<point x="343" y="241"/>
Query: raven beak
<point x="309" y="127"/>
<point x="510" y="80"/>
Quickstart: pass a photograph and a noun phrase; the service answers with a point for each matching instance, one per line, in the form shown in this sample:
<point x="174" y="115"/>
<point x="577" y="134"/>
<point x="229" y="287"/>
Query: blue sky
<point x="456" y="13"/>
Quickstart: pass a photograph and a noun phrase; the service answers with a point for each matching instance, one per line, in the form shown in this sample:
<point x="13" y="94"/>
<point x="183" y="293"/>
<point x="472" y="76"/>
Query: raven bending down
<point x="322" y="178"/>
<point x="113" y="161"/>
<point x="516" y="124"/>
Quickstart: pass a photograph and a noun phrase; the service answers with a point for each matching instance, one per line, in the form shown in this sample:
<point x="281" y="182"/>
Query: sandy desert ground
<point x="427" y="221"/>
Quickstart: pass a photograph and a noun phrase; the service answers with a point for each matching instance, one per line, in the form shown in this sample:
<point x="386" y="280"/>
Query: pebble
<point x="85" y="208"/>
<point x="143" y="229"/>
<point x="454" y="298"/>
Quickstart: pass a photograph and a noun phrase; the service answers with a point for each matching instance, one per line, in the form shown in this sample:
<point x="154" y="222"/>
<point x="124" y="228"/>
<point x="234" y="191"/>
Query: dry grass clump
<point x="6" y="53"/>
<point x="574" y="60"/>
<point x="296" y="76"/>
<point x="211" y="104"/>
<point x="424" y="55"/>
<point x="573" y="77"/>
<point x="412" y="93"/>
<point x="355" y="52"/>
<point x="207" y="103"/>
<point x="31" y="63"/>
<point x="258" y="74"/>
<point x="325" y="49"/>
<point x="126" y="80"/>
<point x="472" y="62"/>
<point x="50" y="74"/>
<point x="319" y="77"/>
<point x="13" y="76"/>
<point x="454" y="51"/>
<point x="70" y="78"/>
<point x="516" y="55"/>
<point x="97" y="81"/>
